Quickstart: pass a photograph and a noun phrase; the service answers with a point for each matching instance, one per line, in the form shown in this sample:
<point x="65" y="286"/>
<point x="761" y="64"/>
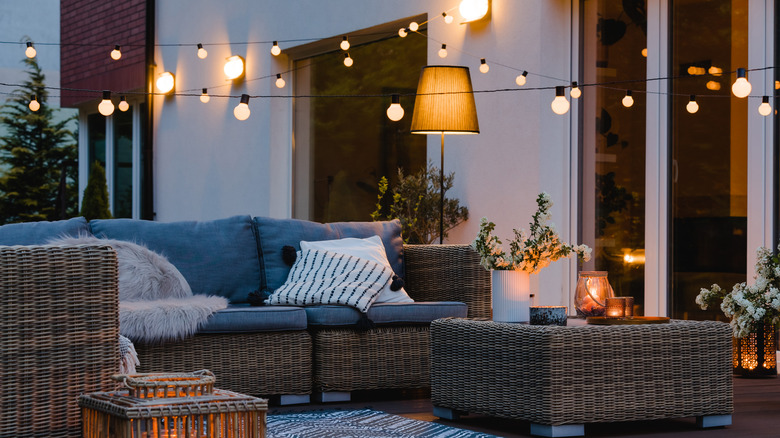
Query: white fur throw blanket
<point x="156" y="303"/>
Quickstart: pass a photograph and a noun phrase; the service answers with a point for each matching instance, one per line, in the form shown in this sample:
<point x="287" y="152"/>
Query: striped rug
<point x="363" y="423"/>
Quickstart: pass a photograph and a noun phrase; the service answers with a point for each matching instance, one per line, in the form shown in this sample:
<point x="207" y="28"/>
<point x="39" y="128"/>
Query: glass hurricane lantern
<point x="592" y="292"/>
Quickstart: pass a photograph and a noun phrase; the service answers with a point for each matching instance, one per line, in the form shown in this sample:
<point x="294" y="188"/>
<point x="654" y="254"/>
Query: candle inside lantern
<point x="616" y="307"/>
<point x="629" y="309"/>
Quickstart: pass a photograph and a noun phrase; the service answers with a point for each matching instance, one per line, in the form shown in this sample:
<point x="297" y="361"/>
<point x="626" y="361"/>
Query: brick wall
<point x="89" y="30"/>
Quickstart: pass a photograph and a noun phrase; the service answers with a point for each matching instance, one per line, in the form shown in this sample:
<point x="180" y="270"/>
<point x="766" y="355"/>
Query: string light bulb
<point x="395" y="112"/>
<point x="116" y="53"/>
<point x="713" y="85"/>
<point x="202" y="53"/>
<point x="123" y="105"/>
<point x="741" y="87"/>
<point x="521" y="78"/>
<point x="275" y="49"/>
<point x="344" y="43"/>
<point x="34" y="105"/>
<point x="765" y="108"/>
<point x="204" y="97"/>
<point x="241" y="111"/>
<point x="165" y="82"/>
<point x="347" y="60"/>
<point x="234" y="67"/>
<point x="483" y="66"/>
<point x="447" y="18"/>
<point x="560" y="105"/>
<point x="30" y="51"/>
<point x="628" y="99"/>
<point x="692" y="106"/>
<point x="402" y="32"/>
<point x="443" y="51"/>
<point x="473" y="10"/>
<point x="644" y="52"/>
<point x="575" y="91"/>
<point x="279" y="81"/>
<point x="413" y="26"/>
<point x="106" y="107"/>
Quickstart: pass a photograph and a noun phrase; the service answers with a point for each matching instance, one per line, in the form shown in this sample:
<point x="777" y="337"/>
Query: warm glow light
<point x="644" y="52"/>
<point x="628" y="258"/>
<point x="347" y="60"/>
<point x="628" y="100"/>
<point x="777" y="85"/>
<point x="34" y="104"/>
<point x="741" y="87"/>
<point x="279" y="81"/>
<point x="123" y="105"/>
<point x="202" y="53"/>
<point x="560" y="105"/>
<point x="275" y="49"/>
<point x="483" y="66"/>
<point x="395" y="112"/>
<point x="165" y="82"/>
<point x="636" y="256"/>
<point x="443" y="51"/>
<point x="106" y="107"/>
<point x="205" y="98"/>
<point x="521" y="78"/>
<point x="30" y="51"/>
<point x="447" y="18"/>
<point x="116" y="54"/>
<point x="413" y="26"/>
<point x="241" y="111"/>
<point x="715" y="71"/>
<point x="692" y="106"/>
<point x="402" y="32"/>
<point x="234" y="67"/>
<point x="765" y="108"/>
<point x="472" y="10"/>
<point x="575" y="92"/>
<point x="713" y="85"/>
<point x="344" y="43"/>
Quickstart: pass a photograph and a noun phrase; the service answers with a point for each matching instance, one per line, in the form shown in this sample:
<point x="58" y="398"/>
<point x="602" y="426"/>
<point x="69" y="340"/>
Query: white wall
<point x="210" y="165"/>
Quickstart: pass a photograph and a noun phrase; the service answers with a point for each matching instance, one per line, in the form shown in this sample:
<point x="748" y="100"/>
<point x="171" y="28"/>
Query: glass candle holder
<point x="616" y="307"/>
<point x="592" y="292"/>
<point x="629" y="310"/>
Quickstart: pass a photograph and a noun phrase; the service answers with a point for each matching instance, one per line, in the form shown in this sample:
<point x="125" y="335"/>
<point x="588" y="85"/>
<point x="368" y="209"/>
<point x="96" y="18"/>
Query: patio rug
<point x="360" y="423"/>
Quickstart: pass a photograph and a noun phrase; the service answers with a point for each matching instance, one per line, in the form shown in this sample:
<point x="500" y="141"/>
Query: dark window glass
<point x="123" y="163"/>
<point x="96" y="139"/>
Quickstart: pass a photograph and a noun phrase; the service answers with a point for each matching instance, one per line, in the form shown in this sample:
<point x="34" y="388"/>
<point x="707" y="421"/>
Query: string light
<point x="347" y="60"/>
<point x="275" y="49"/>
<point x="628" y="100"/>
<point x="234" y="67"/>
<point x="765" y="108"/>
<point x="123" y="105"/>
<point x="402" y="32"/>
<point x="344" y="43"/>
<point x="473" y="10"/>
<point x="413" y="26"/>
<point x="116" y="53"/>
<point x="34" y="105"/>
<point x="692" y="106"/>
<point x="575" y="92"/>
<point x="483" y="66"/>
<point x="30" y="51"/>
<point x="644" y="52"/>
<point x="715" y="71"/>
<point x="521" y="78"/>
<point x="165" y="82"/>
<point x="560" y="105"/>
<point x="241" y="111"/>
<point x="106" y="107"/>
<point x="204" y="97"/>
<point x="741" y="87"/>
<point x="443" y="51"/>
<point x="447" y="18"/>
<point x="395" y="112"/>
<point x="202" y="53"/>
<point x="713" y="85"/>
<point x="279" y="81"/>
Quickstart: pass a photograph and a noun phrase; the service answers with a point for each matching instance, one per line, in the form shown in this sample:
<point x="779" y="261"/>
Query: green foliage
<point x="39" y="156"/>
<point x="415" y="202"/>
<point x="95" y="203"/>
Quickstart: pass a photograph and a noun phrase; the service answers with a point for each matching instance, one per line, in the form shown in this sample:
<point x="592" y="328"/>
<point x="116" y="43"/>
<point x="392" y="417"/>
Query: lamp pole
<point x="441" y="193"/>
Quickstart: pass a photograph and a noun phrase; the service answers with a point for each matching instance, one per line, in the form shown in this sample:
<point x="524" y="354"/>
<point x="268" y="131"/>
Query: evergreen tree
<point x="39" y="157"/>
<point x="95" y="202"/>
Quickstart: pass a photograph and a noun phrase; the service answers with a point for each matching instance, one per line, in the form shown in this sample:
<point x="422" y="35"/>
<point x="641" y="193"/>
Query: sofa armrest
<point x="448" y="273"/>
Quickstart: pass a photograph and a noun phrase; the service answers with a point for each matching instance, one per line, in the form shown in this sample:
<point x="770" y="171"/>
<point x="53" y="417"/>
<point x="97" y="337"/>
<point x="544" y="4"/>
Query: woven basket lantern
<point x="159" y="405"/>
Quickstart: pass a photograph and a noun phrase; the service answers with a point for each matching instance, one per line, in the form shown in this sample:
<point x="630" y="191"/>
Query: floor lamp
<point x="444" y="105"/>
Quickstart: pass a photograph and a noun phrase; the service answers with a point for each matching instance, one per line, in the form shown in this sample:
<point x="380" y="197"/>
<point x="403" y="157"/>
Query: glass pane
<point x="123" y="163"/>
<point x="96" y="139"/>
<point x="613" y="143"/>
<point x="709" y="152"/>
<point x="343" y="146"/>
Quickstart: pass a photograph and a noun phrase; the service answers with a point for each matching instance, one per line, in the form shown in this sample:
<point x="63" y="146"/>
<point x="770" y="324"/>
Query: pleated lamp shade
<point x="445" y="102"/>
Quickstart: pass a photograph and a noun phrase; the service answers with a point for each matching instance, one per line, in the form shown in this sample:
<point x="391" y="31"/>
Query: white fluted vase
<point x="511" y="295"/>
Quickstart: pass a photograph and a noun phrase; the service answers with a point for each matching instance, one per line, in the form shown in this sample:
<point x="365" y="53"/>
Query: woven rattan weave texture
<point x="60" y="330"/>
<point x="587" y="374"/>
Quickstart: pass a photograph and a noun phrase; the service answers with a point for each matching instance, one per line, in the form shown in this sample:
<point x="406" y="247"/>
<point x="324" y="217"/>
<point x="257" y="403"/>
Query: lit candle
<point x="615" y="307"/>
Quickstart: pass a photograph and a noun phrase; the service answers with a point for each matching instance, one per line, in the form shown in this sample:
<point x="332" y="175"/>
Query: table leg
<point x="557" y="431"/>
<point x="713" y="421"/>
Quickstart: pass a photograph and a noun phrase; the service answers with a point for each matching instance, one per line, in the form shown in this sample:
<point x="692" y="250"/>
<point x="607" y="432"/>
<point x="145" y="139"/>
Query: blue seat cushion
<point x="216" y="257"/>
<point x="243" y="318"/>
<point x="38" y="233"/>
<point x="274" y="234"/>
<point x="422" y="312"/>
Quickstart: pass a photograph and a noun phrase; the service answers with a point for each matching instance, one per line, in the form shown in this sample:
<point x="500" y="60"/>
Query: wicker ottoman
<point x="560" y="378"/>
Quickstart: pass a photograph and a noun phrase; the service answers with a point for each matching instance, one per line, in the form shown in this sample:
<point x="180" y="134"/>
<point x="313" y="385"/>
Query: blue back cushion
<point x="38" y="233"/>
<point x="274" y="234"/>
<point x="216" y="257"/>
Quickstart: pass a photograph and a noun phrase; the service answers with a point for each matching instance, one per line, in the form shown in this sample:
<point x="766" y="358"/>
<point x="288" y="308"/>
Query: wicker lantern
<point x="172" y="405"/>
<point x="755" y="354"/>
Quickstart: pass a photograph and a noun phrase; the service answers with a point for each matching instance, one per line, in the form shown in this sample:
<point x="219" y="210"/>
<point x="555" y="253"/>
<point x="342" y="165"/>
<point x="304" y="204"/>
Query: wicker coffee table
<point x="560" y="378"/>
